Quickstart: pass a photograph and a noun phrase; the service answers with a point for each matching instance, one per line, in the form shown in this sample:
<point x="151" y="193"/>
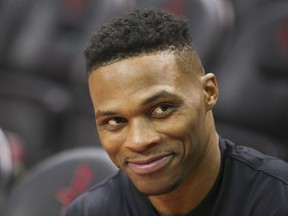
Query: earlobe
<point x="210" y="88"/>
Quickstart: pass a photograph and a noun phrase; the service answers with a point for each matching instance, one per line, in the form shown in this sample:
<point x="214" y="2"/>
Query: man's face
<point x="151" y="119"/>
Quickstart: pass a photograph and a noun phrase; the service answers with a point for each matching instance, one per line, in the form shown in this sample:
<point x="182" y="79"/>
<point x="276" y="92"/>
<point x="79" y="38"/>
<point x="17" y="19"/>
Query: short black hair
<point x="137" y="32"/>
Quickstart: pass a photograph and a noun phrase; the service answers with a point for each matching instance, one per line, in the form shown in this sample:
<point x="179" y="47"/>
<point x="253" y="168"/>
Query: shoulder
<point x="255" y="161"/>
<point x="255" y="179"/>
<point x="97" y="198"/>
<point x="115" y="196"/>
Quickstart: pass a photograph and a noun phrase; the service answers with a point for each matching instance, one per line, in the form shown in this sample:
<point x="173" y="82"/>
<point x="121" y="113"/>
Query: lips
<point x="149" y="165"/>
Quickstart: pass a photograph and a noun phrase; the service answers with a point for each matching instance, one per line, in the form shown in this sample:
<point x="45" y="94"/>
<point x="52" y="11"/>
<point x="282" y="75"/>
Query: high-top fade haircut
<point x="142" y="31"/>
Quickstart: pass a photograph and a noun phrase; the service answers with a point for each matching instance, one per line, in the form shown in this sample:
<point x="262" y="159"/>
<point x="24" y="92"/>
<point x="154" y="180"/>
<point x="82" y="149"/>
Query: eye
<point x="162" y="110"/>
<point x="116" y="121"/>
<point x="111" y="124"/>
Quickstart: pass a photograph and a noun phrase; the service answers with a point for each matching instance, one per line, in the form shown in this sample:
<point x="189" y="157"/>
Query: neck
<point x="194" y="189"/>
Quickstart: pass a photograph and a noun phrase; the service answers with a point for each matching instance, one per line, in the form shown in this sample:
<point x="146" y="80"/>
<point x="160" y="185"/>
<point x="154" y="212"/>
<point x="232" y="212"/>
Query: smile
<point x="150" y="165"/>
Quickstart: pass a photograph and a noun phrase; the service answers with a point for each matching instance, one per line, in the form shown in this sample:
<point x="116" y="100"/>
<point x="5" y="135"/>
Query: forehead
<point x="142" y="65"/>
<point x="137" y="78"/>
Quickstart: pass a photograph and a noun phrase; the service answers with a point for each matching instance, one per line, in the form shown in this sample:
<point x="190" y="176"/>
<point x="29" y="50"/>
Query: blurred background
<point x="45" y="109"/>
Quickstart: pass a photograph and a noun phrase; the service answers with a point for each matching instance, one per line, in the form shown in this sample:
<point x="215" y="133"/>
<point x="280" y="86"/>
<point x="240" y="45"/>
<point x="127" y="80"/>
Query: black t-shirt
<point x="249" y="184"/>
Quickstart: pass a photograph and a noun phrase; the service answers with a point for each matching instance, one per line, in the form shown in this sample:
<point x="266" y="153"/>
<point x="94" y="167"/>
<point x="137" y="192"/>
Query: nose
<point x="141" y="135"/>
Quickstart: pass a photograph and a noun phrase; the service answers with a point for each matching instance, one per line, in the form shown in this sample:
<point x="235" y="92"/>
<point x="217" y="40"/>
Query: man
<point x="153" y="105"/>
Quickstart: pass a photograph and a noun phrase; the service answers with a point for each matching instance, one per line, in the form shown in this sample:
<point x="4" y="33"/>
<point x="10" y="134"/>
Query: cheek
<point x="180" y="126"/>
<point x="187" y="129"/>
<point x="112" y="144"/>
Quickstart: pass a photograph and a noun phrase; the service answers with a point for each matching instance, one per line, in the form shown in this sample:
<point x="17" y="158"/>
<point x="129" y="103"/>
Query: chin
<point x="153" y="189"/>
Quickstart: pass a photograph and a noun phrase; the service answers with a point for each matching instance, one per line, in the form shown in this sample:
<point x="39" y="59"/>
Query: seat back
<point x="43" y="37"/>
<point x="51" y="185"/>
<point x="31" y="107"/>
<point x="5" y="161"/>
<point x="209" y="21"/>
<point x="253" y="74"/>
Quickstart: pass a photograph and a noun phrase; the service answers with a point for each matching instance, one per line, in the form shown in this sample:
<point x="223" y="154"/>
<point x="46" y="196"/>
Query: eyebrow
<point x="161" y="94"/>
<point x="105" y="113"/>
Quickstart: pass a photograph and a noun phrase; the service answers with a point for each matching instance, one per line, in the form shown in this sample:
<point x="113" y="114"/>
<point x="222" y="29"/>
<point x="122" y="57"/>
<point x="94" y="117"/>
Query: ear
<point x="210" y="87"/>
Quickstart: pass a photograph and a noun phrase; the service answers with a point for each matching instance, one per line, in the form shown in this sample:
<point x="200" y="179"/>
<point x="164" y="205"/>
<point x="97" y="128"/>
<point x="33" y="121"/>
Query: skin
<point x="156" y="124"/>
